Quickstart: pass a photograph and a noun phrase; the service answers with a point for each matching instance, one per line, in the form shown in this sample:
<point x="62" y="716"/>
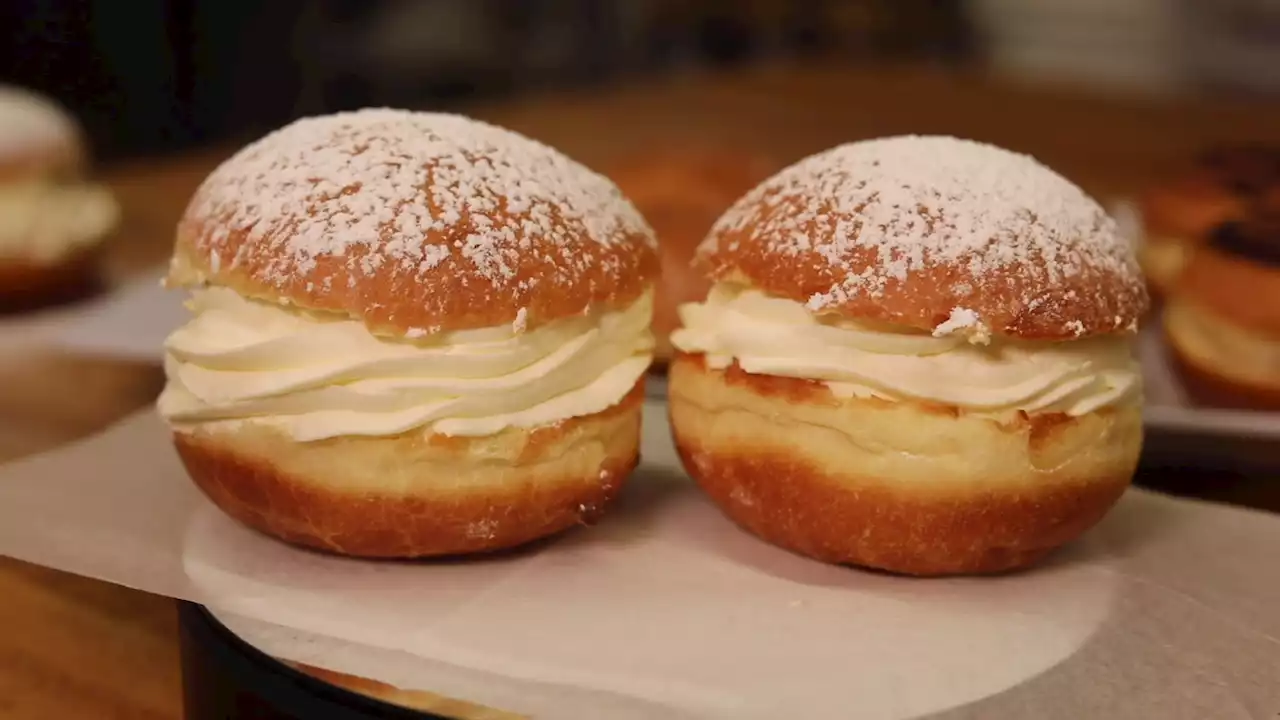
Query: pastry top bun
<point x="1236" y="273"/>
<point x="1218" y="186"/>
<point x="933" y="233"/>
<point x="414" y="223"/>
<point x="38" y="137"/>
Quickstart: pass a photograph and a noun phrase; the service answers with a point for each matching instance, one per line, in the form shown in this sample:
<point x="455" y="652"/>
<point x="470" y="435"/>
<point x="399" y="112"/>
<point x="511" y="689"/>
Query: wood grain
<point x="74" y="648"/>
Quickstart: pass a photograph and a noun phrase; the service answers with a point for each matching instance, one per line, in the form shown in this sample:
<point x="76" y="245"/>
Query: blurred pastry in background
<point x="917" y="356"/>
<point x="413" y="334"/>
<point x="1179" y="214"/>
<point x="1223" y="321"/>
<point x="53" y="221"/>
<point x="681" y="193"/>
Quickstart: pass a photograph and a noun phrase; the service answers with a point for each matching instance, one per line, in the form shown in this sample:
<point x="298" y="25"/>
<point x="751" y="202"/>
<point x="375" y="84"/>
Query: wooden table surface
<point x="76" y="648"/>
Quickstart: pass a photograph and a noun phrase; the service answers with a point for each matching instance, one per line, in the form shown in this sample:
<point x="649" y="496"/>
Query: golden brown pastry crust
<point x="59" y="154"/>
<point x="418" y="495"/>
<point x="1222" y="323"/>
<point x="1209" y="386"/>
<point x="1220" y="363"/>
<point x="26" y="285"/>
<point x="604" y="255"/>
<point x="1241" y="290"/>
<point x="681" y="192"/>
<point x="903" y="487"/>
<point x="1083" y="282"/>
<point x="67" y="159"/>
<point x="1186" y="210"/>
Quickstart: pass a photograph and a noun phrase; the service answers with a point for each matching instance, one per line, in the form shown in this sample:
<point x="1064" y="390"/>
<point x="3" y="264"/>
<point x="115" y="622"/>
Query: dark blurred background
<point x="154" y="76"/>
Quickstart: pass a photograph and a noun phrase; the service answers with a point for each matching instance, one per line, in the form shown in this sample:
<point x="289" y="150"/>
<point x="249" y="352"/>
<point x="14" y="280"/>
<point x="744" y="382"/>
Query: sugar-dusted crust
<point x="418" y="495"/>
<point x="899" y="486"/>
<point x="415" y="222"/>
<point x="681" y="192"/>
<point x="909" y="230"/>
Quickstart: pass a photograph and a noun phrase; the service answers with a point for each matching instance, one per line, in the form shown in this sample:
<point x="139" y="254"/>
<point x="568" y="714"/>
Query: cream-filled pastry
<point x="411" y="334"/>
<point x="1223" y="322"/>
<point x="916" y="355"/>
<point x="52" y="219"/>
<point x="1179" y="214"/>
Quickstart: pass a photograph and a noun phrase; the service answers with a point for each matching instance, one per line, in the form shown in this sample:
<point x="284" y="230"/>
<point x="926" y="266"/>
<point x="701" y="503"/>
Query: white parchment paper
<point x="1169" y="609"/>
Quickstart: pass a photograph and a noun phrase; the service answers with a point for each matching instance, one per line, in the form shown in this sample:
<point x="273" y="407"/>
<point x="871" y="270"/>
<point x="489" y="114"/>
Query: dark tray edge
<point x="249" y="678"/>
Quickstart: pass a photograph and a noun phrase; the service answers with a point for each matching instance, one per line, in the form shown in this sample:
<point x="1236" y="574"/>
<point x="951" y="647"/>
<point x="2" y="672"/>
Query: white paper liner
<point x="1169" y="609"/>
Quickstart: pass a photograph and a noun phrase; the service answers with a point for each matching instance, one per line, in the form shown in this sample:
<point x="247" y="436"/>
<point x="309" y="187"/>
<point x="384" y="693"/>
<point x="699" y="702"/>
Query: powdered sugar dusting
<point x="921" y="202"/>
<point x="965" y="322"/>
<point x="27" y="118"/>
<point x="369" y="186"/>
<point x="482" y="529"/>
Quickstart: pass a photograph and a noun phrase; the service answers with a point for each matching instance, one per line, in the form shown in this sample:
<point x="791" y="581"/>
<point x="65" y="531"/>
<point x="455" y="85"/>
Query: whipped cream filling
<point x="44" y="220"/>
<point x="318" y="377"/>
<point x="965" y="368"/>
